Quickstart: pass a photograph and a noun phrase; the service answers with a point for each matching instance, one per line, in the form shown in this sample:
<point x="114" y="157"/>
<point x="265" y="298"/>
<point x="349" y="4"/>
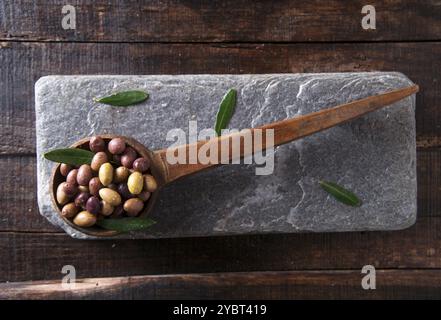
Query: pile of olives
<point x="116" y="184"/>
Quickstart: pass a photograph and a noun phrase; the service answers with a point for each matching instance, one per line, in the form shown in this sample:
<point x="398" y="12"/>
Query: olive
<point x="106" y="209"/>
<point x="81" y="199"/>
<point x="65" y="169"/>
<point x="62" y="197"/>
<point x="69" y="210"/>
<point x="70" y="189"/>
<point x="98" y="160"/>
<point x="117" y="159"/>
<point x="144" y="195"/>
<point x="84" y="219"/>
<point x="72" y="176"/>
<point x="93" y="205"/>
<point x="141" y="164"/>
<point x="150" y="184"/>
<point x="83" y="188"/>
<point x="110" y="196"/>
<point x="106" y="174"/>
<point x="128" y="157"/>
<point x="135" y="183"/>
<point x="94" y="186"/>
<point x="123" y="190"/>
<point x="97" y="144"/>
<point x="116" y="146"/>
<point x="113" y="186"/>
<point x="121" y="174"/>
<point x="133" y="207"/>
<point x="118" y="212"/>
<point x="84" y="175"/>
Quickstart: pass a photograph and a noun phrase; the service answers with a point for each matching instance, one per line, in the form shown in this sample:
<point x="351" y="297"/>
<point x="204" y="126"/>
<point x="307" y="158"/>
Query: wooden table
<point x="175" y="37"/>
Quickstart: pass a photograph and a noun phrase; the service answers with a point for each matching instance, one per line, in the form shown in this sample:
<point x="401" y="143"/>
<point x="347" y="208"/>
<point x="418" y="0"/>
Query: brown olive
<point x="141" y="164"/>
<point x="128" y="157"/>
<point x="72" y="176"/>
<point x="144" y="195"/>
<point x="62" y="197"/>
<point x="150" y="184"/>
<point x="98" y="160"/>
<point x="121" y="174"/>
<point x="81" y="199"/>
<point x="117" y="159"/>
<point x="106" y="209"/>
<point x="118" y="212"/>
<point x="70" y="189"/>
<point x="93" y="205"/>
<point x="95" y="185"/>
<point x="116" y="146"/>
<point x="97" y="144"/>
<point x="65" y="169"/>
<point x="84" y="219"/>
<point x="84" y="175"/>
<point x="69" y="210"/>
<point x="133" y="207"/>
<point x="123" y="190"/>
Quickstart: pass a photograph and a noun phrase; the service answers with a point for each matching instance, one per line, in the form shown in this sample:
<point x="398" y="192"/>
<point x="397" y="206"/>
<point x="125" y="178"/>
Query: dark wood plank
<point x="228" y="20"/>
<point x="397" y="284"/>
<point x="25" y="256"/>
<point x="21" y="64"/>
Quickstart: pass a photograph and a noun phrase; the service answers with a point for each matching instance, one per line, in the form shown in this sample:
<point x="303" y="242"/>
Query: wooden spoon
<point x="284" y="131"/>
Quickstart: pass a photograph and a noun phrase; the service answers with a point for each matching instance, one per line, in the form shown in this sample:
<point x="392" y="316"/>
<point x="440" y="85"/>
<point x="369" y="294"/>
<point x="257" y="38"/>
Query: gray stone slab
<point x="374" y="156"/>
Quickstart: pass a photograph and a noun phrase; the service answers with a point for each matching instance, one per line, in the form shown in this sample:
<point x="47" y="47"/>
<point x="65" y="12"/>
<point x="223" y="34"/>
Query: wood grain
<point x="21" y="64"/>
<point x="215" y="21"/>
<point x="339" y="284"/>
<point x="40" y="256"/>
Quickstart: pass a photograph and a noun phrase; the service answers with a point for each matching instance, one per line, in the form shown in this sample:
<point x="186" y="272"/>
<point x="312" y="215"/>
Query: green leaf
<point x="70" y="156"/>
<point x="341" y="194"/>
<point x="226" y="109"/>
<point x="126" y="224"/>
<point x="125" y="98"/>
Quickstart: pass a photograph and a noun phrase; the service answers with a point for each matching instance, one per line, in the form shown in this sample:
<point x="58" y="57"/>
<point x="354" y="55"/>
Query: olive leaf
<point x="126" y="224"/>
<point x="226" y="109"/>
<point x="124" y="98"/>
<point x="72" y="156"/>
<point x="341" y="194"/>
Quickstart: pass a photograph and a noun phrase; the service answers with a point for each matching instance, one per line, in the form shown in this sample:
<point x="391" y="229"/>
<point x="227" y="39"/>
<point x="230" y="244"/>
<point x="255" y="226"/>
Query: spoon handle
<point x="284" y="131"/>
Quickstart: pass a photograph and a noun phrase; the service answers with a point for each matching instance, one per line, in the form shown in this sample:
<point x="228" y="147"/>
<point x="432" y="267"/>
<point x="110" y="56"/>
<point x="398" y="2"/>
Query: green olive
<point x="110" y="196"/>
<point x="106" y="174"/>
<point x="135" y="183"/>
<point x="84" y="219"/>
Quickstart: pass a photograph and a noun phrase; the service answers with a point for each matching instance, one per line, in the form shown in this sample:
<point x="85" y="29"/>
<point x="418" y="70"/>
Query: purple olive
<point x="97" y="144"/>
<point x="70" y="189"/>
<point x="84" y="175"/>
<point x="95" y="185"/>
<point x="72" y="176"/>
<point x="141" y="164"/>
<point x="128" y="157"/>
<point x="116" y="146"/>
<point x="118" y="212"/>
<point x="81" y="199"/>
<point x="93" y="205"/>
<point x="123" y="190"/>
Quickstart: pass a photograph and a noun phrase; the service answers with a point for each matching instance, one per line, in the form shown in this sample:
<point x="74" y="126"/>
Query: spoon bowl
<point x="156" y="168"/>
